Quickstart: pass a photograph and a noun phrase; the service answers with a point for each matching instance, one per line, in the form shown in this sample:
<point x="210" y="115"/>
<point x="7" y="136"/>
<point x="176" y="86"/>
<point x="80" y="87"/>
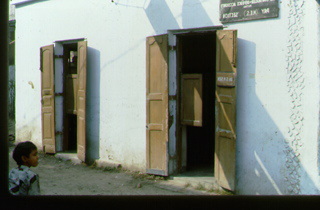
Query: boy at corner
<point x="23" y="181"/>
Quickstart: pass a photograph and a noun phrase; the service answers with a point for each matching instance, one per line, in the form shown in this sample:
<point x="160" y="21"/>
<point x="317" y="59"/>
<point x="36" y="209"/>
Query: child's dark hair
<point x="22" y="149"/>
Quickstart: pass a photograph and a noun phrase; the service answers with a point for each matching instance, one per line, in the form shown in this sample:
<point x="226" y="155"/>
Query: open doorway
<point x="70" y="72"/>
<point x="63" y="92"/>
<point x="196" y="56"/>
<point x="191" y="104"/>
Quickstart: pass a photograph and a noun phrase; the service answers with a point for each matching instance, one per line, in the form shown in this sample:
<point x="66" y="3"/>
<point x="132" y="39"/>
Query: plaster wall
<point x="277" y="103"/>
<point x="262" y="113"/>
<point x="310" y="150"/>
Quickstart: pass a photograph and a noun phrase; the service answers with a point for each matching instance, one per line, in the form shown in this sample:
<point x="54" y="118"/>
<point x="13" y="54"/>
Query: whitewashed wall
<point x="278" y="99"/>
<point x="278" y="82"/>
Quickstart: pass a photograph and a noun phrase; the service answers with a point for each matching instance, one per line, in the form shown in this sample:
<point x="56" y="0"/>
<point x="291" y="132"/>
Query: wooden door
<point x="191" y="99"/>
<point x="47" y="99"/>
<point x="157" y="105"/>
<point x="81" y="100"/>
<point x="225" y="142"/>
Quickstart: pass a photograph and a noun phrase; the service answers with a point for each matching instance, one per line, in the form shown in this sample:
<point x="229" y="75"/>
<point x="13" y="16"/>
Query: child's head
<point x="25" y="153"/>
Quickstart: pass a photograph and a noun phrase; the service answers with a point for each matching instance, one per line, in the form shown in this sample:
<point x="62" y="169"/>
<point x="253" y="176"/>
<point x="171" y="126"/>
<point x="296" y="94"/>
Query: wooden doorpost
<point x="81" y="100"/>
<point x="225" y="142"/>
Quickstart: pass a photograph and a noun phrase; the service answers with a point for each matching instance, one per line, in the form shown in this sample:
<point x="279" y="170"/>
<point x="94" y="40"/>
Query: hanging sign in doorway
<point x="244" y="10"/>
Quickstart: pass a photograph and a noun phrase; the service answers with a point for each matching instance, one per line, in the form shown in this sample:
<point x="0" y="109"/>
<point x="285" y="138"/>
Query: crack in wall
<point x="295" y="84"/>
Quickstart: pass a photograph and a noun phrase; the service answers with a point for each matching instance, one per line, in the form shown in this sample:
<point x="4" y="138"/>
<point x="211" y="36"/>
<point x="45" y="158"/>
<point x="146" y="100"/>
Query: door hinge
<point x="172" y="47"/>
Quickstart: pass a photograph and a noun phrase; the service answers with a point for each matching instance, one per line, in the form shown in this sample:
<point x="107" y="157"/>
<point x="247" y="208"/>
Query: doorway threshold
<point x="197" y="179"/>
<point x="69" y="156"/>
<point x="196" y="182"/>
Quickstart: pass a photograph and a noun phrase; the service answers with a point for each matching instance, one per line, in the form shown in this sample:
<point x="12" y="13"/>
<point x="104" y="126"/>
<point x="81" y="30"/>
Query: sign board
<point x="226" y="79"/>
<point x="244" y="10"/>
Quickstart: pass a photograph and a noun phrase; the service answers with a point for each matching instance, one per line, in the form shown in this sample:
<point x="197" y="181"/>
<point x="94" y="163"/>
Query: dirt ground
<point x="60" y="177"/>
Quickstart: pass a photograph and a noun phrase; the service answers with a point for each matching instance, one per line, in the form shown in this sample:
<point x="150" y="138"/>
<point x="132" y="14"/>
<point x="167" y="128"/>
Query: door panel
<point x="71" y="93"/>
<point x="225" y="142"/>
<point x="157" y="105"/>
<point x="81" y="100"/>
<point x="47" y="99"/>
<point x="191" y="100"/>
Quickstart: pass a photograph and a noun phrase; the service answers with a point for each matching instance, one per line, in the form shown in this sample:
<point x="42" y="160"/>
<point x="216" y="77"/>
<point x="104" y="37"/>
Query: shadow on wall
<point x="193" y="13"/>
<point x="162" y="19"/>
<point x="93" y="105"/>
<point x="265" y="161"/>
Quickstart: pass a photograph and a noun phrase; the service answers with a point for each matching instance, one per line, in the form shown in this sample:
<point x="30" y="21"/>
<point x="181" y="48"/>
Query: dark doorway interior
<point x="197" y="55"/>
<point x="71" y="132"/>
<point x="70" y="92"/>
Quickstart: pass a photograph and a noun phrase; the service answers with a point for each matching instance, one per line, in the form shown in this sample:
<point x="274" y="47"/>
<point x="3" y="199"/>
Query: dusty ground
<point x="59" y="177"/>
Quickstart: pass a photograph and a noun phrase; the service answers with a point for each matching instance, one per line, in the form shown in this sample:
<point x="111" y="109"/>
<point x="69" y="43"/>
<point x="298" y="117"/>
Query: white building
<point x="165" y="86"/>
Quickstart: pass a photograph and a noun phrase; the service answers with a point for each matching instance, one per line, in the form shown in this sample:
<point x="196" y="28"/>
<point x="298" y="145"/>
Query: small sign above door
<point x="244" y="10"/>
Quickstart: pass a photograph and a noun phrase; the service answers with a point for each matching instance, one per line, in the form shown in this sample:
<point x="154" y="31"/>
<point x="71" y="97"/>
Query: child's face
<point x="32" y="160"/>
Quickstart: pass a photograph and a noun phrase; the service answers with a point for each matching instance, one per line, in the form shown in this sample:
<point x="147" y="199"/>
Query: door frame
<point x="177" y="161"/>
<point x="56" y="145"/>
<point x="226" y="62"/>
<point x="59" y="47"/>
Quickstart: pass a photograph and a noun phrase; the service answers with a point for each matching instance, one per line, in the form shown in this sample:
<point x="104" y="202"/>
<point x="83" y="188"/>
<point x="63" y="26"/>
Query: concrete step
<point x="73" y="157"/>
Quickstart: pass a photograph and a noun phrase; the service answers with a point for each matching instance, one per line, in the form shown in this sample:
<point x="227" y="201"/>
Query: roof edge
<point x="17" y="2"/>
